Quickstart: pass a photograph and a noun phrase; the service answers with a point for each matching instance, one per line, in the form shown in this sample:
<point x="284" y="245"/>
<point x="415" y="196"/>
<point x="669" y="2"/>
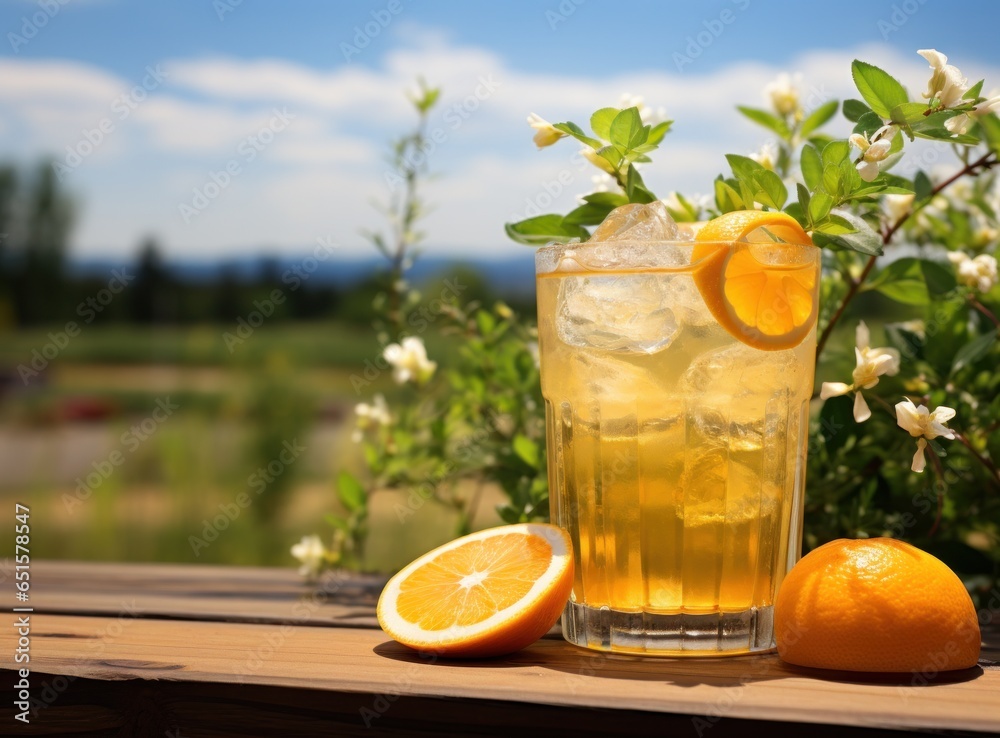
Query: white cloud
<point x="319" y="176"/>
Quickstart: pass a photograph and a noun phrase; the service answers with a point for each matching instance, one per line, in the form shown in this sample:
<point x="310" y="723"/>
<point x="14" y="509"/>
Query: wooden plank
<point x="229" y="593"/>
<point x="551" y="672"/>
<point x="192" y="710"/>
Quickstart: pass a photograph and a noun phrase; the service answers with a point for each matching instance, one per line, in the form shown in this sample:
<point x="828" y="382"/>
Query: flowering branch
<point x="984" y="162"/>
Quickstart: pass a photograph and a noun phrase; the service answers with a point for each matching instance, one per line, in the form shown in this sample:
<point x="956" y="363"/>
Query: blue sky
<point x="217" y="76"/>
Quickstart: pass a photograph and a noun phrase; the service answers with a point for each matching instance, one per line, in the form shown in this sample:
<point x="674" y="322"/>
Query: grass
<point x="319" y="343"/>
<point x="173" y="486"/>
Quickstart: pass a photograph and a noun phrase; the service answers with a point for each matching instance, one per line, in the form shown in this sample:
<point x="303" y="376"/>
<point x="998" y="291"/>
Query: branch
<point x="985" y="162"/>
<point x="985" y="311"/>
<point x="979" y="457"/>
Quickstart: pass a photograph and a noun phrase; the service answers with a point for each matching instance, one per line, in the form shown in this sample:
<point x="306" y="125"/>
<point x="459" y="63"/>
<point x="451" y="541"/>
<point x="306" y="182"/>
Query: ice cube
<point x="613" y="380"/>
<point x="636" y="222"/>
<point x="687" y="303"/>
<point x="739" y="371"/>
<point x="625" y="313"/>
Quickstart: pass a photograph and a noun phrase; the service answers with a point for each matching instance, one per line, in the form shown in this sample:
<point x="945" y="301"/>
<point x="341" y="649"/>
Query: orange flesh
<point x="776" y="301"/>
<point x="473" y="582"/>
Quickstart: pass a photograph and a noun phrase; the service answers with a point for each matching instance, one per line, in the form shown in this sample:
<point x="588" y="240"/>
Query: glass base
<point x="681" y="634"/>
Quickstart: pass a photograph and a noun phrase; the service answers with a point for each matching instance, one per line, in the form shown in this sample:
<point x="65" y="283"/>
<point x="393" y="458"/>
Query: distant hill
<point x="512" y="276"/>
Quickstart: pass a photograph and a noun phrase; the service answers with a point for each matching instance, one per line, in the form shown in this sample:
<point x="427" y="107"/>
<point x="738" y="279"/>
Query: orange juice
<point x="676" y="449"/>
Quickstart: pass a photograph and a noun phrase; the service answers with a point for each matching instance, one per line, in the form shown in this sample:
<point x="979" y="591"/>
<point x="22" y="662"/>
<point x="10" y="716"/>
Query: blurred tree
<point x="151" y="295"/>
<point x="8" y="190"/>
<point x="228" y="299"/>
<point x="38" y="247"/>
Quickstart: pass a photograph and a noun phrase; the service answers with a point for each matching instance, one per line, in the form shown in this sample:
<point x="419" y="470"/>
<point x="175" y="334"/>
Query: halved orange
<point x="759" y="276"/>
<point x="486" y="594"/>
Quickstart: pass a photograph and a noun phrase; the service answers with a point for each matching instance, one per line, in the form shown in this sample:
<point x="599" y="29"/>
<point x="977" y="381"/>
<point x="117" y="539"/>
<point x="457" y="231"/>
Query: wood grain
<point x="142" y="708"/>
<point x="225" y="593"/>
<point x="551" y="672"/>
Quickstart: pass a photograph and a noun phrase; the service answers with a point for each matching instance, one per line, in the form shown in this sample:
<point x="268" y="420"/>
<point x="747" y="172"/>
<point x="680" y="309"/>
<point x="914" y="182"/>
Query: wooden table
<point x="165" y="650"/>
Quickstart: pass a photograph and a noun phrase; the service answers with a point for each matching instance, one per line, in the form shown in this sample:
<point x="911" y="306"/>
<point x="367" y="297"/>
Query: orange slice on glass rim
<point x="758" y="276"/>
<point x="486" y="594"/>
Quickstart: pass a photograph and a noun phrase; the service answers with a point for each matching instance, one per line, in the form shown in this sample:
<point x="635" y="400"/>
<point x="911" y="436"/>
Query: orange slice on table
<point x="485" y="594"/>
<point x="762" y="290"/>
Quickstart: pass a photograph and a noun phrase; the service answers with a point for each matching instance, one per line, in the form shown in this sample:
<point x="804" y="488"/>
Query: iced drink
<point x="676" y="429"/>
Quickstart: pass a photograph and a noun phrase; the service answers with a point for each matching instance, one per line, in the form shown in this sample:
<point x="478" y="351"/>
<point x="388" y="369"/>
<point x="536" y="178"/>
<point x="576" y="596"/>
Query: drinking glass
<point x="676" y="445"/>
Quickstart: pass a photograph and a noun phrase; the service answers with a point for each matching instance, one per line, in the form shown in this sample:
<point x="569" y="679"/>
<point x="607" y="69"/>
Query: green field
<point x="230" y="406"/>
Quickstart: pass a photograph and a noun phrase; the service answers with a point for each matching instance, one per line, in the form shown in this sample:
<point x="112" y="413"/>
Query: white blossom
<point x="947" y="83"/>
<point x="767" y="157"/>
<point x="409" y="361"/>
<point x="959" y="124"/>
<point x="871" y="363"/>
<point x="784" y="94"/>
<point x="602" y="182"/>
<point x="897" y="207"/>
<point x="369" y="416"/>
<point x="648" y="115"/>
<point x="545" y="133"/>
<point x="311" y="552"/>
<point x="923" y="425"/>
<point x="873" y="151"/>
<point x="979" y="272"/>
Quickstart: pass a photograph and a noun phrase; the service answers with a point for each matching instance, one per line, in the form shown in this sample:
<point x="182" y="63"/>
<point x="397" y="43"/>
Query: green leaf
<point x="576" y="132"/>
<point x="854" y="109"/>
<point x="657" y="132"/>
<point x="973" y="92"/>
<point x="687" y="213"/>
<point x="835" y="152"/>
<point x="863" y="239"/>
<point x="766" y="119"/>
<point x="625" y="126"/>
<point x="990" y="126"/>
<point x="922" y="186"/>
<point x="880" y="90"/>
<point x="526" y="450"/>
<point x="819" y="206"/>
<point x="908" y="113"/>
<point x="973" y="351"/>
<point x="909" y="343"/>
<point x="612" y="199"/>
<point x="932" y="127"/>
<point x="818" y="117"/>
<point x="812" y="167"/>
<point x="485" y="322"/>
<point x="940" y="280"/>
<point x="544" y="229"/>
<point x="867" y="124"/>
<point x="601" y="122"/>
<point x="836" y="423"/>
<point x="803" y="196"/>
<point x="350" y="492"/>
<point x="727" y="199"/>
<point x="634" y="187"/>
<point x="906" y="291"/>
<point x="743" y="166"/>
<point x="913" y="281"/>
<point x="588" y="214"/>
<point x="771" y="190"/>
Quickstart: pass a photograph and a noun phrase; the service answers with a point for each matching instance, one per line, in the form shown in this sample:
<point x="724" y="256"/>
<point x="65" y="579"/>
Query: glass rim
<point x="548" y="257"/>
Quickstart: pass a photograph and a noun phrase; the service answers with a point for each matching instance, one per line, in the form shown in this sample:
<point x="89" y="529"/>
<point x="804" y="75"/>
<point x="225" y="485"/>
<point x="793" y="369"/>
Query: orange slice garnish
<point x="759" y="277"/>
<point x="485" y="594"/>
